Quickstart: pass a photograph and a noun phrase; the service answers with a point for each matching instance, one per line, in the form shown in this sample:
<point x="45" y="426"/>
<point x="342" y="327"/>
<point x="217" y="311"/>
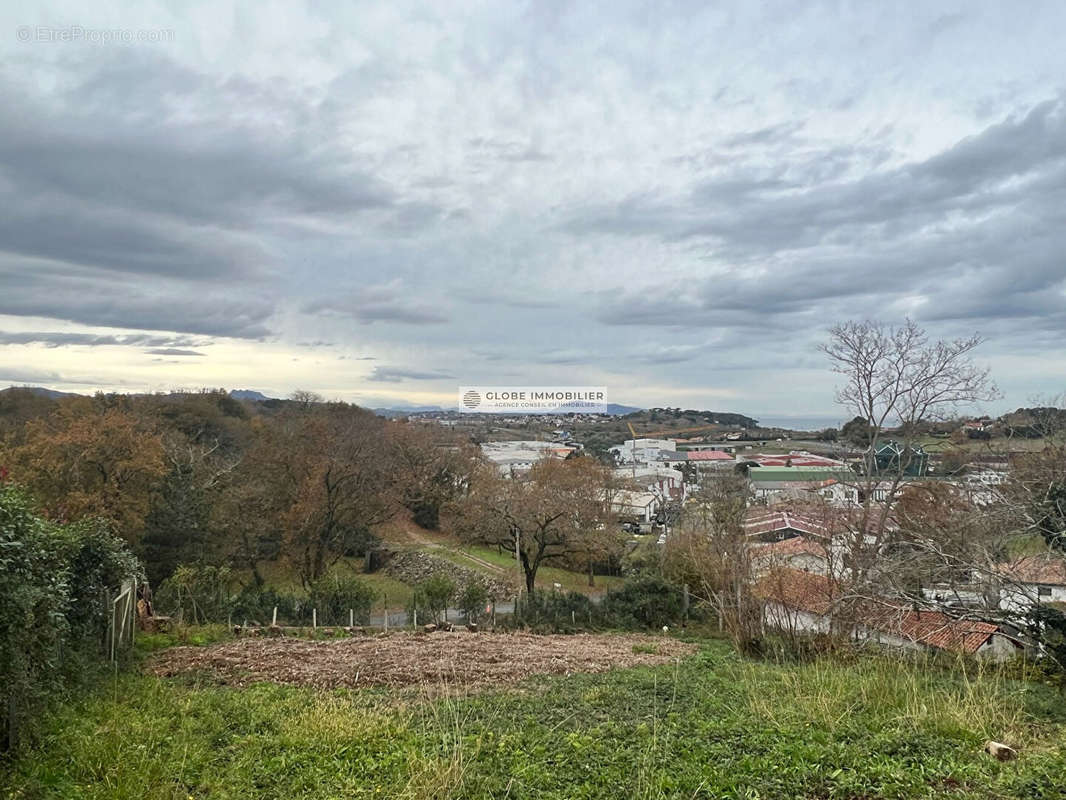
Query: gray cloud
<point x="95" y="298"/>
<point x="64" y="339"/>
<point x="955" y="231"/>
<point x="536" y="192"/>
<point x="172" y="351"/>
<point x="395" y="375"/>
<point x="389" y="302"/>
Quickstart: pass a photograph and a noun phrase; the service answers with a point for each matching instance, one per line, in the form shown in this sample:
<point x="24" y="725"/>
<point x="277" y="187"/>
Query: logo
<point x="533" y="399"/>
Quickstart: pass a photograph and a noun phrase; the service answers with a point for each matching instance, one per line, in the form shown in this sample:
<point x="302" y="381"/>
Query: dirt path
<point x="409" y="659"/>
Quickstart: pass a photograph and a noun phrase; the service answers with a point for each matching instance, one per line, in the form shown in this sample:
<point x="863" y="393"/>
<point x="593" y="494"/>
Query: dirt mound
<point x="406" y="659"/>
<point x="413" y="567"/>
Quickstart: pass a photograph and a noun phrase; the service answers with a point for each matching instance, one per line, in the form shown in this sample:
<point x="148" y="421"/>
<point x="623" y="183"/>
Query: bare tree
<point x="896" y="376"/>
<point x="710" y="551"/>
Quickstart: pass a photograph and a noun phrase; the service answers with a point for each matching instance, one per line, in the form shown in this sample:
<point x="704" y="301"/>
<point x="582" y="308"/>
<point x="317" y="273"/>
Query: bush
<point x="557" y="611"/>
<point x="199" y="592"/>
<point x="53" y="579"/>
<point x="431" y="597"/>
<point x="332" y="596"/>
<point x="256" y="604"/>
<point x="472" y="602"/>
<point x="647" y="601"/>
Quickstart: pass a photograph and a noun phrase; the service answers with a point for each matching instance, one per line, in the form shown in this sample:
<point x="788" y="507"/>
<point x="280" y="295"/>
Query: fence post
<point x="133" y="611"/>
<point x="314" y="619"/>
<point x="351" y="617"/>
<point x="274" y="621"/>
<point x="385" y="600"/>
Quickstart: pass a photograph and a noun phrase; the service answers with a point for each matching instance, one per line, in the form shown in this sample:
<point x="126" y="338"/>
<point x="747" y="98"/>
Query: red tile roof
<point x="793" y="459"/>
<point x="758" y="521"/>
<point x="799" y="590"/>
<point x="938" y="630"/>
<point x="1038" y="569"/>
<point x="786" y="548"/>
<point x="709" y="455"/>
<point x="817" y="594"/>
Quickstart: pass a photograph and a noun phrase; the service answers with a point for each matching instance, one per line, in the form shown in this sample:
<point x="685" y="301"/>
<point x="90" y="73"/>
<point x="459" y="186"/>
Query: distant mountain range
<point x="40" y="391"/>
<point x="248" y="394"/>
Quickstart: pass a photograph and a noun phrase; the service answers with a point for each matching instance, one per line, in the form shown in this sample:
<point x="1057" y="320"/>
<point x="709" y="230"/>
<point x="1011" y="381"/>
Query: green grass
<point x="284" y="578"/>
<point x="546" y="576"/>
<point x="713" y="726"/>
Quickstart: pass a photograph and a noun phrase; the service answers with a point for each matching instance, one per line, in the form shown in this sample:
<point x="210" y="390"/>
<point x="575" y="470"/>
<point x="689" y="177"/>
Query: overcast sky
<point x="383" y="201"/>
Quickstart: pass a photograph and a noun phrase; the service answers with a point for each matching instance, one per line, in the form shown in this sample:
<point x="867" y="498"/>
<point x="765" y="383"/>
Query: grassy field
<point x="712" y="726"/>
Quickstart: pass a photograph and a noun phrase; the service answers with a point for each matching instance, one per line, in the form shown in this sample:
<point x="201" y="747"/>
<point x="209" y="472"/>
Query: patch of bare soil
<point x="408" y="659"/>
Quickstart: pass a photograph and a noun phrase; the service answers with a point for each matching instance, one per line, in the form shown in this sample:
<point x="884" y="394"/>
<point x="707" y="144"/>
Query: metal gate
<point x="123" y="618"/>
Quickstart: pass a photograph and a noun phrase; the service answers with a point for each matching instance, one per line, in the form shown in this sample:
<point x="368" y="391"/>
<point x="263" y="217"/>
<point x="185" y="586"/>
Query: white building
<point x="641" y="506"/>
<point x="520" y="456"/>
<point x="1033" y="580"/>
<point x="641" y="451"/>
<point x="663" y="481"/>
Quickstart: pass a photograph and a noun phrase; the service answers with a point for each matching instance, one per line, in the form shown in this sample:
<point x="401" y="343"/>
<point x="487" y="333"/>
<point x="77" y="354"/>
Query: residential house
<point x="1032" y="580"/>
<point x="641" y="507"/>
<point x="807" y="602"/>
<point x="798" y="553"/>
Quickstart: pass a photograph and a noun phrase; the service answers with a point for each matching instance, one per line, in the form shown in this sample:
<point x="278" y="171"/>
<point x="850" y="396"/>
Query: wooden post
<point x="684" y="605"/>
<point x="573" y="617"/>
<point x="351" y="617"/>
<point x="415" y="614"/>
<point x="385" y="599"/>
<point x="133" y="612"/>
<point x="314" y="619"/>
<point x="274" y="621"/>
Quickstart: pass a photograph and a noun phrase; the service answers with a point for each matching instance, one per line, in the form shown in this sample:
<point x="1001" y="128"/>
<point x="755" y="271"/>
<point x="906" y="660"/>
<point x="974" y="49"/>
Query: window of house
<point x="1044" y="591"/>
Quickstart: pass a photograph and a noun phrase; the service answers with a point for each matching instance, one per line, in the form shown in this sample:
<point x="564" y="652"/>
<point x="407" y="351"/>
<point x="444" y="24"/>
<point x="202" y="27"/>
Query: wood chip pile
<point x="408" y="659"/>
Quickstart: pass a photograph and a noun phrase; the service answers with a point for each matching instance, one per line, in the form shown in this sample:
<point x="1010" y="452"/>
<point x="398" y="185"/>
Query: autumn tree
<point x="331" y="476"/>
<point x="432" y="469"/>
<point x="204" y="437"/>
<point x="92" y="457"/>
<point x="552" y="513"/>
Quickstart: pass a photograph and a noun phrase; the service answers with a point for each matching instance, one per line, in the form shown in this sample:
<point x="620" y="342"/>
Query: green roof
<point x="809" y="474"/>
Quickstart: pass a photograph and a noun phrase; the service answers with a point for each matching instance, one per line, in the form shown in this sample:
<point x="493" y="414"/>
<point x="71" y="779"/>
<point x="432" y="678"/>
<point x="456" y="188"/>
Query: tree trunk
<point x="530" y="571"/>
